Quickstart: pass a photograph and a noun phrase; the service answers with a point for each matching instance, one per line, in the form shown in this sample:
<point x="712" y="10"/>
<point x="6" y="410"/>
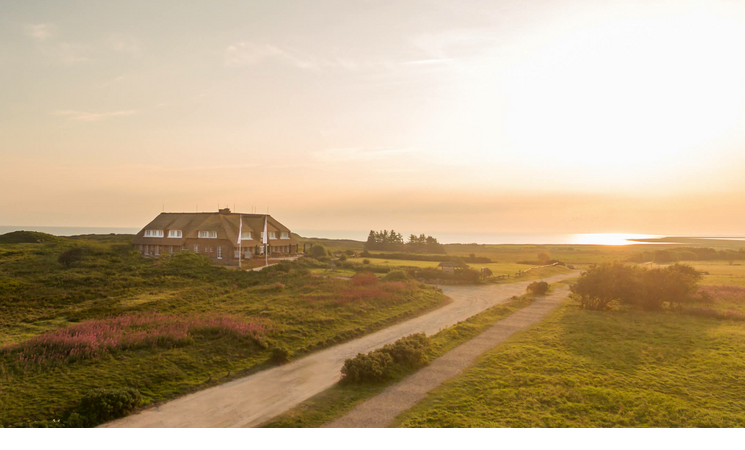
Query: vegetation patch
<point x="585" y="368"/>
<point x="342" y="397"/>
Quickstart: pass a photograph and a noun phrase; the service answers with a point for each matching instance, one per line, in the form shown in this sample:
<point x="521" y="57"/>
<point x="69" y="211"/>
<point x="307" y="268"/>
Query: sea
<point x="361" y="235"/>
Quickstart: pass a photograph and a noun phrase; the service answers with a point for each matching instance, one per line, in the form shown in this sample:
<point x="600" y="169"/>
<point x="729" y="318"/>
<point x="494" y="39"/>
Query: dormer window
<point x="207" y="234"/>
<point x="174" y="233"/>
<point x="247" y="235"/>
<point x="272" y="235"/>
<point x="284" y="235"/>
<point x="154" y="233"/>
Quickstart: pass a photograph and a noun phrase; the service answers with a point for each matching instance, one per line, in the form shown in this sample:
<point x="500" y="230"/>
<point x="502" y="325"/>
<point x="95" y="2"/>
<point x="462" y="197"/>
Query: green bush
<point x="102" y="405"/>
<point x="71" y="257"/>
<point x="374" y="367"/>
<point x="409" y="351"/>
<point x="378" y="365"/>
<point x="318" y="251"/>
<point x="633" y="285"/>
<point x="342" y="257"/>
<point x="396" y="275"/>
<point x="281" y="355"/>
<point x="538" y="288"/>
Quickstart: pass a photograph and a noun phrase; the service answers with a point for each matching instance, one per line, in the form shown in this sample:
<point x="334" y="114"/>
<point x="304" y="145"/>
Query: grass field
<point x="38" y="295"/>
<point x="510" y="269"/>
<point x="341" y="398"/>
<point x="602" y="369"/>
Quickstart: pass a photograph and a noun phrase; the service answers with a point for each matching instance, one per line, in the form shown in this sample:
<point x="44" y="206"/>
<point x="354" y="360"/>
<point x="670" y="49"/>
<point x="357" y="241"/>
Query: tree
<point x="70" y="257"/>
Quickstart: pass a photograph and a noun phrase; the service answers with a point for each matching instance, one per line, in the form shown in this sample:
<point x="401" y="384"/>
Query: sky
<point x="529" y="116"/>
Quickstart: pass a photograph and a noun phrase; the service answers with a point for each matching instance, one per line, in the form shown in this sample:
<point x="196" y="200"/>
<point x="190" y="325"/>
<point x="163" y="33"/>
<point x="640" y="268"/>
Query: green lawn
<point x="600" y="369"/>
<point x="304" y="313"/>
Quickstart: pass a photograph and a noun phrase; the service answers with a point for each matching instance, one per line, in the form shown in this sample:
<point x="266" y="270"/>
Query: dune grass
<point x="601" y="369"/>
<point x="181" y="321"/>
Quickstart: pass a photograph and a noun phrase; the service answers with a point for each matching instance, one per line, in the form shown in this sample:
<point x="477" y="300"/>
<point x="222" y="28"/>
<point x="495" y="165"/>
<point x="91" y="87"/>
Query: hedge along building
<point x="215" y="235"/>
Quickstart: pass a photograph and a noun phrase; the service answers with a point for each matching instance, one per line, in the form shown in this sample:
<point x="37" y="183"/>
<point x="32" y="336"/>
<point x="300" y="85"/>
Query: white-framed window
<point x="170" y="249"/>
<point x="207" y="234"/>
<point x="157" y="250"/>
<point x="147" y="250"/>
<point x="154" y="233"/>
<point x="284" y="235"/>
<point x="247" y="235"/>
<point x="174" y="233"/>
<point x="219" y="252"/>
<point x="196" y="248"/>
<point x="272" y="235"/>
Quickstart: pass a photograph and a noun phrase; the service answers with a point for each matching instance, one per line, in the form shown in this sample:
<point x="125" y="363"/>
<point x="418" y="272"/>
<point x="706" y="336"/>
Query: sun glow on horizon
<point x="610" y="238"/>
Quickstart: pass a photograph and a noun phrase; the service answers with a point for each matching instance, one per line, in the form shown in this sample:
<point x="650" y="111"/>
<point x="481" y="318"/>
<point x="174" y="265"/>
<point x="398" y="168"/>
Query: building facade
<point x="215" y="235"/>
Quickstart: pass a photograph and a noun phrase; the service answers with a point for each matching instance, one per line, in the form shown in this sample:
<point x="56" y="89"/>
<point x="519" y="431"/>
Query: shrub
<point x="101" y="405"/>
<point x="342" y="257"/>
<point x="281" y="355"/>
<point x="365" y="254"/>
<point x="72" y="256"/>
<point x="374" y="367"/>
<point x="538" y="288"/>
<point x="396" y="275"/>
<point x="318" y="251"/>
<point x="409" y="351"/>
<point x="633" y="285"/>
<point x="365" y="261"/>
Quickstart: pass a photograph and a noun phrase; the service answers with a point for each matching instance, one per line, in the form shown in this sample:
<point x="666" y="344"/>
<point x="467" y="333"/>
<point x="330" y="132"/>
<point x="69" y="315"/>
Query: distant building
<point x="448" y="267"/>
<point x="215" y="235"/>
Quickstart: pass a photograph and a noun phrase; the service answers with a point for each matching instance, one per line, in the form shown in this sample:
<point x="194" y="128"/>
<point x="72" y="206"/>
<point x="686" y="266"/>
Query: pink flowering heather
<point x="736" y="293"/>
<point x="93" y="338"/>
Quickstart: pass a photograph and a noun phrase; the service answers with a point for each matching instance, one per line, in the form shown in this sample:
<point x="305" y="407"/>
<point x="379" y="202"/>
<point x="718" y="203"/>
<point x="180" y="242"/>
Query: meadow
<point x="618" y="368"/>
<point x="168" y="326"/>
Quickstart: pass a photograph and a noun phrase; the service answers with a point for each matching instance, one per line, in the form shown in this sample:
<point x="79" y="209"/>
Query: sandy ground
<point x="253" y="400"/>
<point x="380" y="410"/>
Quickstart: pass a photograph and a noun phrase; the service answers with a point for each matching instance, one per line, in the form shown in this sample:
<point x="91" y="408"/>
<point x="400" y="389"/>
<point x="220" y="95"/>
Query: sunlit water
<point x="444" y="237"/>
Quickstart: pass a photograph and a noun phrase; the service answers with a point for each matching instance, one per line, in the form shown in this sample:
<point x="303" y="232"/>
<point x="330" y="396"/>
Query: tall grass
<point x="93" y="338"/>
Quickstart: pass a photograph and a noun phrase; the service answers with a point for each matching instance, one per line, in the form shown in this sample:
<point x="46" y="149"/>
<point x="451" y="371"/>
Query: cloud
<point x="335" y="155"/>
<point x="243" y="54"/>
<point x="124" y="44"/>
<point x="91" y="117"/>
<point x="40" y="31"/>
<point x="66" y="53"/>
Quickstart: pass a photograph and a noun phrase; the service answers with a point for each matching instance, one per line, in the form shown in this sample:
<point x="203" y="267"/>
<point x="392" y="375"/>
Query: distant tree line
<point x="392" y="241"/>
<point x="688" y="254"/>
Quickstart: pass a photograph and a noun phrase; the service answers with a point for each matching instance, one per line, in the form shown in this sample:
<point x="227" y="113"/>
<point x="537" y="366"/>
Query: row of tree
<point x="392" y="241"/>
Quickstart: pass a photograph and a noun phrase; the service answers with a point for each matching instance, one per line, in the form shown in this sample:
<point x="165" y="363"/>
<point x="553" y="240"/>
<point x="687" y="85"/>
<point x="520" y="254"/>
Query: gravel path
<point x="380" y="410"/>
<point x="253" y="400"/>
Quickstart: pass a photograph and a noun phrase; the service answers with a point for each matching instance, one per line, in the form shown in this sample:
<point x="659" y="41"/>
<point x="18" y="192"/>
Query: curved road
<point x="253" y="400"/>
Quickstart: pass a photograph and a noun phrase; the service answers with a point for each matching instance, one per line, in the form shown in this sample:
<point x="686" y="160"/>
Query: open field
<point x="296" y="311"/>
<point x="602" y="369"/>
<point x="342" y="398"/>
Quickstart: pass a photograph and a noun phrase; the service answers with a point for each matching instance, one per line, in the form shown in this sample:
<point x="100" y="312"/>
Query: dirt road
<point x="252" y="400"/>
<point x="380" y="410"/>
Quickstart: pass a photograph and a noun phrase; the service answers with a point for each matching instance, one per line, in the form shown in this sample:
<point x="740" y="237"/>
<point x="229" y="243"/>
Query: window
<point x="272" y="235"/>
<point x="170" y="249"/>
<point x="246" y="235"/>
<point x="154" y="233"/>
<point x="207" y="234"/>
<point x="174" y="233"/>
<point x="285" y="235"/>
<point x="196" y="248"/>
<point x="147" y="250"/>
<point x="157" y="250"/>
<point x="219" y="252"/>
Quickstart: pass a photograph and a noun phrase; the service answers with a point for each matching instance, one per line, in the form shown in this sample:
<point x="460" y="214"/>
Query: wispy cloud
<point x="125" y="44"/>
<point x="91" y="117"/>
<point x="40" y="31"/>
<point x="336" y="155"/>
<point x="243" y="54"/>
